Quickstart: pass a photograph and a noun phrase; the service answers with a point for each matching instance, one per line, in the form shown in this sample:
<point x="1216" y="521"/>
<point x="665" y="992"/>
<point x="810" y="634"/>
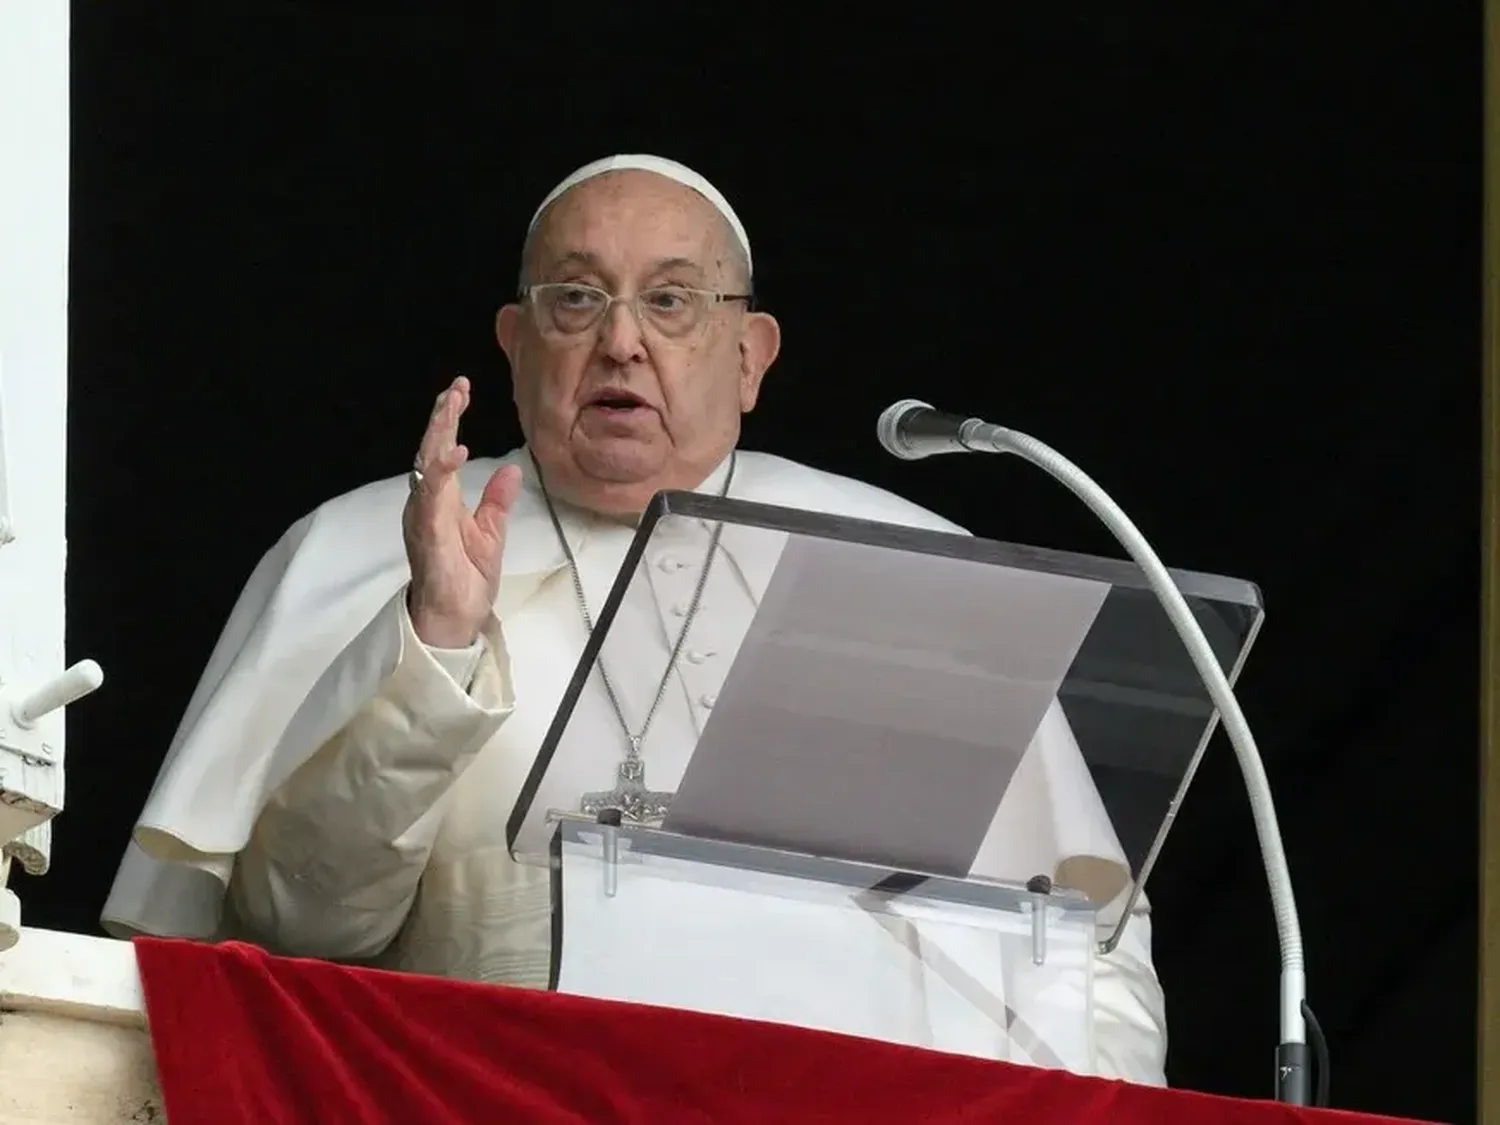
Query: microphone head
<point x="888" y="428"/>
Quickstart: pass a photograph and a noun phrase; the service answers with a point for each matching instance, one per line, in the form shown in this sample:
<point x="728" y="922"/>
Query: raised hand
<point x="454" y="553"/>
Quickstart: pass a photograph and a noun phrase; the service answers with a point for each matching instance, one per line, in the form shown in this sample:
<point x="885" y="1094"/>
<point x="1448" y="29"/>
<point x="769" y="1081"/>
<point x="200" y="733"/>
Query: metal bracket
<point x="1040" y="887"/>
<point x="31" y="784"/>
<point x="609" y="823"/>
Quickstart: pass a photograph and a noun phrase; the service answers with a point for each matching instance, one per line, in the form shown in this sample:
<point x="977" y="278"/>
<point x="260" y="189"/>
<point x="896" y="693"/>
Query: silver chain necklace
<point x="630" y="797"/>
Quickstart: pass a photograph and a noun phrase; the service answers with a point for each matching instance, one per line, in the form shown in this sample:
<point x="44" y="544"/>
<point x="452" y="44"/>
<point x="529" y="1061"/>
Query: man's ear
<point x="760" y="343"/>
<point x="507" y="326"/>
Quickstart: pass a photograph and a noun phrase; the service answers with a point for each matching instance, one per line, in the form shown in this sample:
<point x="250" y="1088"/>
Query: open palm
<point x="455" y="554"/>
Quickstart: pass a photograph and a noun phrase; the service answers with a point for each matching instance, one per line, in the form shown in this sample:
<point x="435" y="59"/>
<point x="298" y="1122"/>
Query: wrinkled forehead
<point x="626" y="224"/>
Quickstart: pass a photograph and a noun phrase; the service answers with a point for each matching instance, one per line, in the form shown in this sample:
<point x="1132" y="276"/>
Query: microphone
<point x="911" y="430"/>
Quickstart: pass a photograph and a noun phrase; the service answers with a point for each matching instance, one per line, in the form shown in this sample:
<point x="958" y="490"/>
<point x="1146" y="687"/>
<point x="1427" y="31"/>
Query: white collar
<point x="532" y="552"/>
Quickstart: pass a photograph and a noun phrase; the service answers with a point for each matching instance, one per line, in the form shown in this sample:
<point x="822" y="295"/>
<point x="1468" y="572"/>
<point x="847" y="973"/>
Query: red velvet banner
<point x="243" y="1038"/>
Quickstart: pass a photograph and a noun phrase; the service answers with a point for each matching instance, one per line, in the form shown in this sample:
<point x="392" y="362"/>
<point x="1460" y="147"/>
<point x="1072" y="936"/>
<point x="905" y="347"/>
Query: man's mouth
<point x="618" y="402"/>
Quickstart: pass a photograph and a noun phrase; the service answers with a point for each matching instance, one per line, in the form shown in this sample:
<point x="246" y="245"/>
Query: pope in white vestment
<point x="340" y="784"/>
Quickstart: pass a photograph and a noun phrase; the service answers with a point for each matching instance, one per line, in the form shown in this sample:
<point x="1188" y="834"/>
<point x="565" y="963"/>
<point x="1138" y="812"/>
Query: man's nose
<point x="620" y="334"/>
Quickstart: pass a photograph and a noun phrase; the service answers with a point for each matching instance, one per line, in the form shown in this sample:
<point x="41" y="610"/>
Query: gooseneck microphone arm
<point x="910" y="429"/>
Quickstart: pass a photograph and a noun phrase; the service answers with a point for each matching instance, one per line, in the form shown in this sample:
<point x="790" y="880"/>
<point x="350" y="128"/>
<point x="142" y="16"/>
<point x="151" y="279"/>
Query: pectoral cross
<point x="636" y="803"/>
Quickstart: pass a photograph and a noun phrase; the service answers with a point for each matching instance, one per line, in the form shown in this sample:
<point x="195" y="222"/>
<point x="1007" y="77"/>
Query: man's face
<point x="632" y="404"/>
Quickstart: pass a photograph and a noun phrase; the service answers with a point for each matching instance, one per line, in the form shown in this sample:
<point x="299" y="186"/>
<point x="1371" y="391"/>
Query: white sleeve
<point x="1130" y="1018"/>
<point x="337" y="854"/>
<point x="459" y="663"/>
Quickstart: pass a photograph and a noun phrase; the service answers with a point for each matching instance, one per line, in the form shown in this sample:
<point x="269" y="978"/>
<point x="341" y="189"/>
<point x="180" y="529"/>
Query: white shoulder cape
<point x="276" y="688"/>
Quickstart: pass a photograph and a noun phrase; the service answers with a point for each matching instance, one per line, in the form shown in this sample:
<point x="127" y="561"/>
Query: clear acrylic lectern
<point x="893" y="782"/>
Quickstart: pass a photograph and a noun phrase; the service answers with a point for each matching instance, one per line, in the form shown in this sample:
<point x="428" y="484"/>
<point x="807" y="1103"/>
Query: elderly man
<point x="341" y="782"/>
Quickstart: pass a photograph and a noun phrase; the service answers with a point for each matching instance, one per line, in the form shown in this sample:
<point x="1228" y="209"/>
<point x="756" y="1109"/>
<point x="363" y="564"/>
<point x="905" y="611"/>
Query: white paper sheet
<point x="880" y="703"/>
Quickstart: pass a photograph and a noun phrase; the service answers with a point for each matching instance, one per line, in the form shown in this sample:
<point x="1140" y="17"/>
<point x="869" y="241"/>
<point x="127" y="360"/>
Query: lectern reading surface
<point x="908" y="664"/>
<point x="841" y="822"/>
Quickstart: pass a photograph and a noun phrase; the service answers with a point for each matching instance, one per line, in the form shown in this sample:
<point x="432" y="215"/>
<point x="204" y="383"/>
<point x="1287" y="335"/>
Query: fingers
<point x="498" y="498"/>
<point x="439" y="453"/>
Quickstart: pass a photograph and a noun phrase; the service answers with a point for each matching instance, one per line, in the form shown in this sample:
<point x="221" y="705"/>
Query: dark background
<point x="1226" y="262"/>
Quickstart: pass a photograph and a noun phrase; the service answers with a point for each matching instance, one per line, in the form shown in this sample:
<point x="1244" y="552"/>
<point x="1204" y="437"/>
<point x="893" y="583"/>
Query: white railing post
<point x="35" y="685"/>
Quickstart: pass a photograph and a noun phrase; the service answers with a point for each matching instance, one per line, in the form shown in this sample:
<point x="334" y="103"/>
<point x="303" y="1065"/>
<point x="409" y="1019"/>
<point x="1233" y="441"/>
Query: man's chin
<point x="616" y="478"/>
<point x="619" y="462"/>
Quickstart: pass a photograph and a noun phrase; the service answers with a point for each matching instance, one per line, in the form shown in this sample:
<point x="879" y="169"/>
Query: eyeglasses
<point x="568" y="308"/>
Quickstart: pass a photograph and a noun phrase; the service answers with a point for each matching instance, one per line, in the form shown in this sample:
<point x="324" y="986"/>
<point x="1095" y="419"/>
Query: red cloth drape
<point x="242" y="1037"/>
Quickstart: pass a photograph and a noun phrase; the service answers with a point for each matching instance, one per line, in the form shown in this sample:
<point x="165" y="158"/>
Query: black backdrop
<point x="1227" y="262"/>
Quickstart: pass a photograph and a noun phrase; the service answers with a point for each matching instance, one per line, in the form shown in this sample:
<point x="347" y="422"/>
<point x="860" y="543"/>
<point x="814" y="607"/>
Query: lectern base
<point x="953" y="965"/>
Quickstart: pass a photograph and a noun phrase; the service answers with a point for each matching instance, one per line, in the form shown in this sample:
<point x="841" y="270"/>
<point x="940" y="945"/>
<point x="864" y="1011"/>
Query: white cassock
<point x="350" y="787"/>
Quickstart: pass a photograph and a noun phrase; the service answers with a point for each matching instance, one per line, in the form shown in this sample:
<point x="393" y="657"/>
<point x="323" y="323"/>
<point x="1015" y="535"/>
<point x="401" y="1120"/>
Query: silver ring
<point x="414" y="480"/>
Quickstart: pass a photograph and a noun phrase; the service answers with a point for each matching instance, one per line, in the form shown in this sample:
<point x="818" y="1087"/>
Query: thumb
<point x="497" y="499"/>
